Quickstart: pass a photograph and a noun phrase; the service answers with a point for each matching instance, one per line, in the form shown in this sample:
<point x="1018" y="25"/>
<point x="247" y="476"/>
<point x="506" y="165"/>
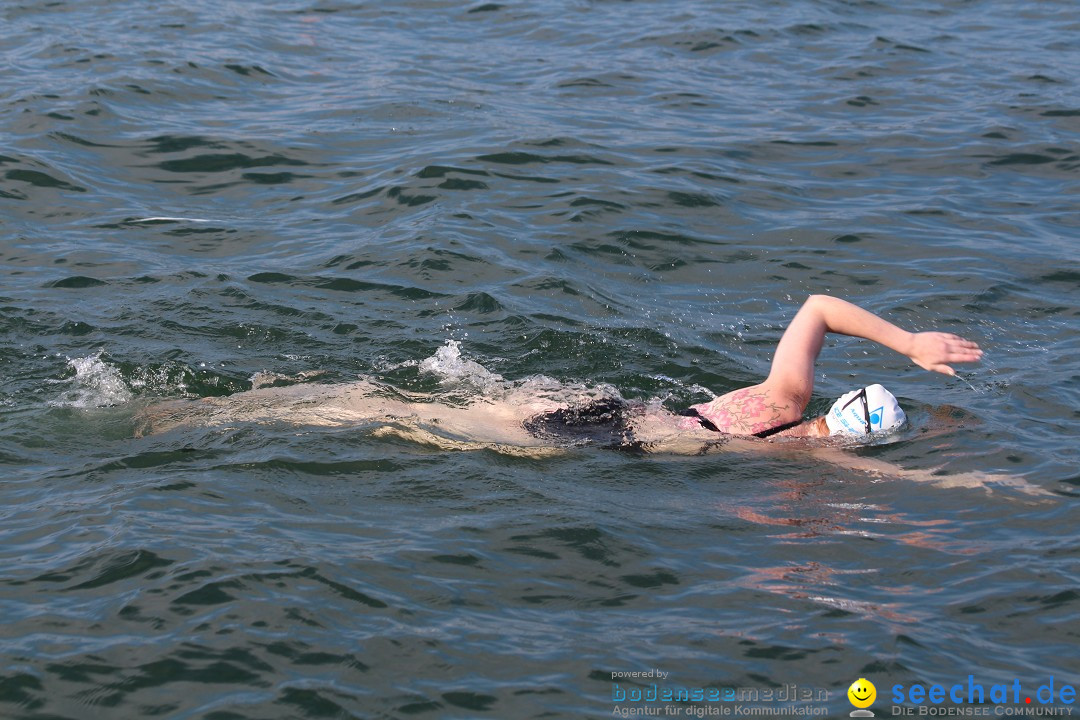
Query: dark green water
<point x="632" y="193"/>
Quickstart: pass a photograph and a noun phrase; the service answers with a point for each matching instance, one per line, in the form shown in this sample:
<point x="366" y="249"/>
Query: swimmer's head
<point x="862" y="412"/>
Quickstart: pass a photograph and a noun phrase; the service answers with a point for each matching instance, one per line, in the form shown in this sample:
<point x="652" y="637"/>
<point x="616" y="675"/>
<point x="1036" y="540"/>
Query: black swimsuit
<point x="607" y="423"/>
<point x="709" y="425"/>
<point x="604" y="423"/>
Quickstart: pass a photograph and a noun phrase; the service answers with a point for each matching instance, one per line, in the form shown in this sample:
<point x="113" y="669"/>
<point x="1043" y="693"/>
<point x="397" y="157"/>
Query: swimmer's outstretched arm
<point x="782" y="398"/>
<point x="792" y="371"/>
<point x="881" y="470"/>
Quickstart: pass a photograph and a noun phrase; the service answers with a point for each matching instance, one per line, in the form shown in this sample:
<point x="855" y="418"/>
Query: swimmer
<point x="538" y="417"/>
<point x="518" y="415"/>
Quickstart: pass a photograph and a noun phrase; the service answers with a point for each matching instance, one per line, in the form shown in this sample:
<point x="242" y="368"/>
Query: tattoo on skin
<point x="745" y="410"/>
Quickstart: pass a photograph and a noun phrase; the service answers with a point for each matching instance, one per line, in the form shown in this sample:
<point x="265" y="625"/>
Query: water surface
<point x="637" y="194"/>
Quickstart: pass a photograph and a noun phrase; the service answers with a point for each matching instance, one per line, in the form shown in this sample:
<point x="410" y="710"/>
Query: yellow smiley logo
<point x="862" y="693"/>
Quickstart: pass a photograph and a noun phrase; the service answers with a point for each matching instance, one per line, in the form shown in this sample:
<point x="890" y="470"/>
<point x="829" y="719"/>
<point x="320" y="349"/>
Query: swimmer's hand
<point x="934" y="350"/>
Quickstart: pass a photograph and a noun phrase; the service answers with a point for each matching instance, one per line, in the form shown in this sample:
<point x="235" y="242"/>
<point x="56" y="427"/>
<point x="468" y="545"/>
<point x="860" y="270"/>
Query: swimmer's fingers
<point x="960" y="350"/>
<point x="934" y="351"/>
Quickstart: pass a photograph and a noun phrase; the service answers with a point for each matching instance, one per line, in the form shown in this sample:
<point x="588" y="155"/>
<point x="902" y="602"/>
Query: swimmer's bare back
<point x="507" y="421"/>
<point x="359" y="404"/>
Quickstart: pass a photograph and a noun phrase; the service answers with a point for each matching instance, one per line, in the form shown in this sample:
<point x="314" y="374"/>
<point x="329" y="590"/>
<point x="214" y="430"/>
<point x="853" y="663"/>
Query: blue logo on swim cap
<point x="875" y="416"/>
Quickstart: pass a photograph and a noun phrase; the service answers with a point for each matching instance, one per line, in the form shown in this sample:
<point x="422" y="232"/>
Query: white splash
<point x="452" y="368"/>
<point x="95" y="384"/>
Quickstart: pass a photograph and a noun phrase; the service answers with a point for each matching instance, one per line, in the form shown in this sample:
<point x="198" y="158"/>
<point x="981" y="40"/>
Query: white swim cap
<point x="873" y="407"/>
